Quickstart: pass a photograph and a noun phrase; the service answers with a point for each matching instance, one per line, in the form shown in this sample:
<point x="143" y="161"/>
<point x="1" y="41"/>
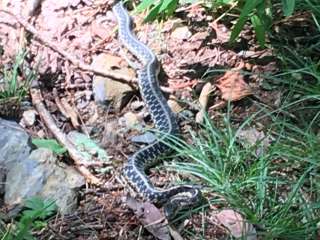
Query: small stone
<point x="131" y="119"/>
<point x="175" y="106"/>
<point x="29" y="117"/>
<point x="107" y="89"/>
<point x="147" y="138"/>
<point x="181" y="33"/>
<point x="34" y="174"/>
<point x="136" y="105"/>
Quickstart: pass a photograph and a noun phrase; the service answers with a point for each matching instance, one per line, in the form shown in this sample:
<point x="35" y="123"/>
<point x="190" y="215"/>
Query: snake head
<point x="182" y="201"/>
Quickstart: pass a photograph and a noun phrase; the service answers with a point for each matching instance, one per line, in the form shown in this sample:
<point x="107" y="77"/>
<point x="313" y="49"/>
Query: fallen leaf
<point x="174" y="105"/>
<point x="237" y="226"/>
<point x="250" y="137"/>
<point x="71" y="112"/>
<point x="151" y="218"/>
<point x="233" y="87"/>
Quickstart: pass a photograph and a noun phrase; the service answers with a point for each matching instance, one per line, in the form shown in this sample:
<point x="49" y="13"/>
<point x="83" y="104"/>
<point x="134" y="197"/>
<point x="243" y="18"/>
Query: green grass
<point x="11" y="87"/>
<point x="276" y="190"/>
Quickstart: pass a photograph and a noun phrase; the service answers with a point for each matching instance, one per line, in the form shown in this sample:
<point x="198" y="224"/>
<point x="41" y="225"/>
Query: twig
<point x="78" y="159"/>
<point x="81" y="65"/>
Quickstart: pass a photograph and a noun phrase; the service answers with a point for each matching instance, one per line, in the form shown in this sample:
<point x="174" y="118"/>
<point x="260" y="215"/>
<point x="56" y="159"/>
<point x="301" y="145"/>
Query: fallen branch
<point x="78" y="159"/>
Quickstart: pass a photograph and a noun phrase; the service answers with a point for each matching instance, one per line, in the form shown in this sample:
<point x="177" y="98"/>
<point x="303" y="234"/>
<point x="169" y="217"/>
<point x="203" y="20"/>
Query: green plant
<point x="274" y="186"/>
<point x="51" y="144"/>
<point x="162" y="8"/>
<point x="33" y="218"/>
<point x="10" y="86"/>
<point x="258" y="12"/>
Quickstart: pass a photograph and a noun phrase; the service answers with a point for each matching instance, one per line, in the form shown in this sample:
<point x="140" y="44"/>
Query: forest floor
<point x="74" y="47"/>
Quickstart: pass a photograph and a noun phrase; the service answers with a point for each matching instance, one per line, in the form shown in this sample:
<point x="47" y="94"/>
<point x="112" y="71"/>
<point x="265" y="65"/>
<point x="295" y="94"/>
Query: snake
<point x="177" y="197"/>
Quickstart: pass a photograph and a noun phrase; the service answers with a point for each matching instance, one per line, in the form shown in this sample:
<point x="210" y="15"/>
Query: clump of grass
<point x="11" y="87"/>
<point x="14" y="85"/>
<point x="276" y="190"/>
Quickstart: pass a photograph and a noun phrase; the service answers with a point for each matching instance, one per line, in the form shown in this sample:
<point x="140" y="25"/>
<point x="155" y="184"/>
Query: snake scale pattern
<point x="177" y="197"/>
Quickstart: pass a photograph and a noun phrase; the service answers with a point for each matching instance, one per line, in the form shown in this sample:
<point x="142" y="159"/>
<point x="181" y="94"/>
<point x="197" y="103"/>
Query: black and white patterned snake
<point x="177" y="197"/>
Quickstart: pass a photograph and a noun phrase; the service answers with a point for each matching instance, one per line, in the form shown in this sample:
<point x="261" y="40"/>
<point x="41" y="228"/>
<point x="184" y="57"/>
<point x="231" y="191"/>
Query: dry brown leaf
<point x="233" y="87"/>
<point x="174" y="105"/>
<point x="237" y="226"/>
<point x="72" y="114"/>
<point x="151" y="217"/>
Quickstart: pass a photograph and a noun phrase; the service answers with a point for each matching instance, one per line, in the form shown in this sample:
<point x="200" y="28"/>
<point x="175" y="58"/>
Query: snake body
<point x="176" y="197"/>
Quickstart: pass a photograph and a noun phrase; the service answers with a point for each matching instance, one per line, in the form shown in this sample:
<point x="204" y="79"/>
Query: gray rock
<point x="147" y="138"/>
<point x="40" y="175"/>
<point x="130" y="120"/>
<point x="14" y="143"/>
<point x="107" y="89"/>
<point x="36" y="173"/>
